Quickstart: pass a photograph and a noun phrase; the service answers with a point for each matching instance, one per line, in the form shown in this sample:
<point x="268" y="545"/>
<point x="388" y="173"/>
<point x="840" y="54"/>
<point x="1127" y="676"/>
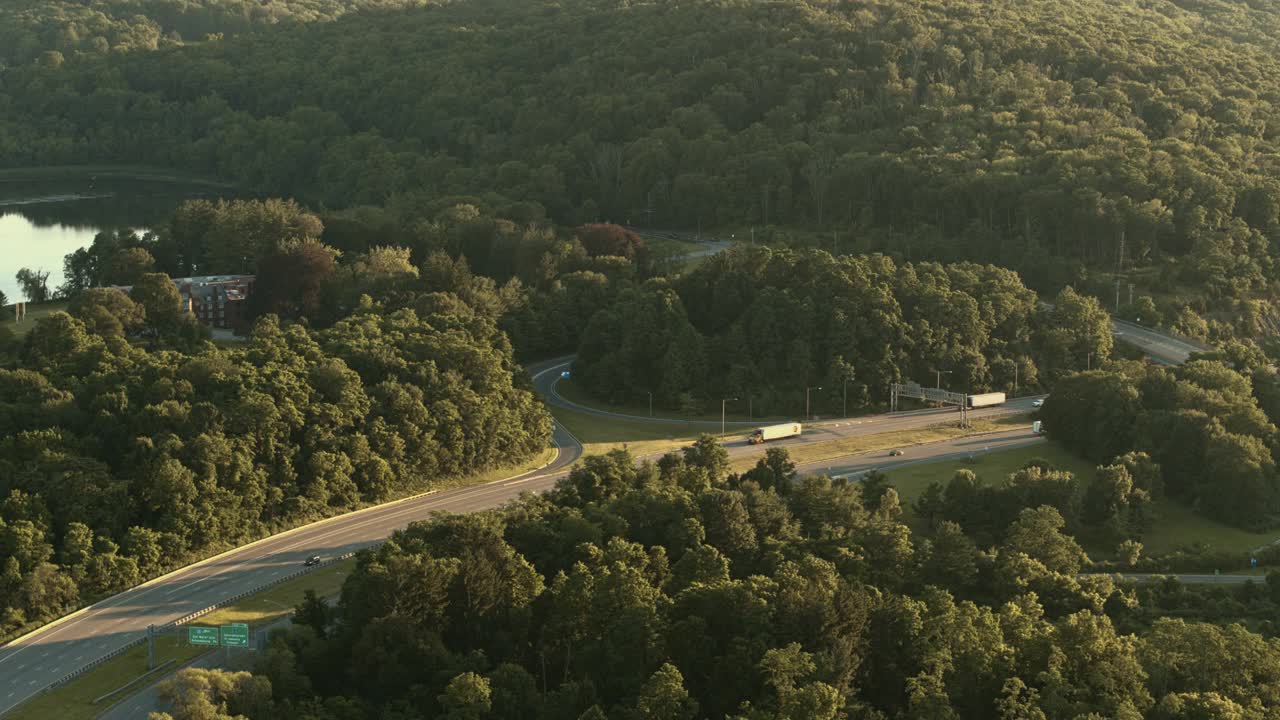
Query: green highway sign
<point x="202" y="635"/>
<point x="235" y="635"/>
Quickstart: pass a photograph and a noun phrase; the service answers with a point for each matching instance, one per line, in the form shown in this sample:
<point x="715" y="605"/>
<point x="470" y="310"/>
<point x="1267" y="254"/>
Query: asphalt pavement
<point x="32" y="662"/>
<point x="1162" y="348"/>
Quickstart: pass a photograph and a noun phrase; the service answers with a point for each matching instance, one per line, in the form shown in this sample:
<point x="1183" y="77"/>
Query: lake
<point x="43" y="221"/>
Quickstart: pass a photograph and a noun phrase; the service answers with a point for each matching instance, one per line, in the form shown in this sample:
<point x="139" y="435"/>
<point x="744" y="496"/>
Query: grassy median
<point x="861" y="444"/>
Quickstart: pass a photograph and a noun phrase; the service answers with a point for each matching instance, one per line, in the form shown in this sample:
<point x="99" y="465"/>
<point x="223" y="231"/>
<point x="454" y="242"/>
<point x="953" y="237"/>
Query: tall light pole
<point x="646" y="392"/>
<point x="844" y="394"/>
<point x="722" y="403"/>
<point x="937" y="382"/>
<point x="807" y="414"/>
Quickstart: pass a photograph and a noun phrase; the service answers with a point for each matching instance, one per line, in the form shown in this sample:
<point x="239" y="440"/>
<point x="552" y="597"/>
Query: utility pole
<point x="1089" y="361"/>
<point x="1119" y="270"/>
<point x="1015" y="377"/>
<point x="722" y="403"/>
<point x="807" y="414"/>
<point x="650" y="402"/>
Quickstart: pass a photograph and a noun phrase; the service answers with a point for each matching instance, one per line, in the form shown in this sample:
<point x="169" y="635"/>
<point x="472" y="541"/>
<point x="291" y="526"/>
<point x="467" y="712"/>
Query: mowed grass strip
<point x="600" y="434"/>
<point x="861" y="444"/>
<point x="74" y="701"/>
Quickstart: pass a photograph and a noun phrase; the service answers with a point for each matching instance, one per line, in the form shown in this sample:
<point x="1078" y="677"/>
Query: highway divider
<point x="176" y="624"/>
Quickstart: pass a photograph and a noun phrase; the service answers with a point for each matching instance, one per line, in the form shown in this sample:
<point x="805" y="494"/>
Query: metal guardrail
<point x="172" y="625"/>
<point x="135" y="681"/>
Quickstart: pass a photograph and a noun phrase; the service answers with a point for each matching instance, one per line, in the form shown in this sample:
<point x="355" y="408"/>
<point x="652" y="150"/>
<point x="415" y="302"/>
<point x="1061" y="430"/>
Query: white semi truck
<point x="773" y="432"/>
<point x="985" y="400"/>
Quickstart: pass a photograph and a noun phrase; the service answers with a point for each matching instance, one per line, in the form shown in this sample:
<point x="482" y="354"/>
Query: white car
<point x="1037" y="403"/>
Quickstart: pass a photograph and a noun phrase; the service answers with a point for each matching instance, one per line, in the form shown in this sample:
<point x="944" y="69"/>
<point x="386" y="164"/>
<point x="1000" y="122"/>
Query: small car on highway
<point x="896" y="453"/>
<point x="312" y="561"/>
<point x="1037" y="403"/>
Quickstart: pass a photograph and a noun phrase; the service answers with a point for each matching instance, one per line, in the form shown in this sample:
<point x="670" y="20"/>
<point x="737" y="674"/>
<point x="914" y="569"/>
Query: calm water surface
<point x="41" y="222"/>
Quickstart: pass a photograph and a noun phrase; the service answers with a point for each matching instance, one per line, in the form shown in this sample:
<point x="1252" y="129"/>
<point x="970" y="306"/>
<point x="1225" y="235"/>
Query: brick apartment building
<point x="216" y="300"/>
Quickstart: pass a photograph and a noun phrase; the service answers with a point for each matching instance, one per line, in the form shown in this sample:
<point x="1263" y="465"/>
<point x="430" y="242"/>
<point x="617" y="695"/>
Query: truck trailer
<point x="773" y="432"/>
<point x="985" y="400"/>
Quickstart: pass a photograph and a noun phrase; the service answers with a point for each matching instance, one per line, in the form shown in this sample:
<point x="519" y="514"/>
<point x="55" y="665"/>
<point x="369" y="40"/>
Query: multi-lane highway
<point x="1160" y="347"/>
<point x="29" y="664"/>
<point x="547" y="375"/>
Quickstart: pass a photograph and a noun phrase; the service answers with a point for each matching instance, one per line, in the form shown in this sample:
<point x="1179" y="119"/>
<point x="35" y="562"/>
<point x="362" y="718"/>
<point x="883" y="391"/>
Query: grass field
<point x="1175" y="525"/>
<point x="34" y="313"/>
<point x="993" y="467"/>
<point x="74" y="701"/>
<point x="602" y="434"/>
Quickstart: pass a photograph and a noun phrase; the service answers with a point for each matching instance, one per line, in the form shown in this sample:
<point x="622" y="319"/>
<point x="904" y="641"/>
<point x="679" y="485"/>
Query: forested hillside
<point x="50" y="31"/>
<point x="118" y="460"/>
<point x="1005" y="132"/>
<point x="678" y="591"/>
<point x="766" y="324"/>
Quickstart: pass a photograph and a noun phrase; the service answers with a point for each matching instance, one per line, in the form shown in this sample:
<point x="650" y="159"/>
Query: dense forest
<point x="1209" y="423"/>
<point x="767" y="324"/>
<point x="50" y="31"/>
<point x="1132" y="136"/>
<point x="129" y="444"/>
<point x="676" y="591"/>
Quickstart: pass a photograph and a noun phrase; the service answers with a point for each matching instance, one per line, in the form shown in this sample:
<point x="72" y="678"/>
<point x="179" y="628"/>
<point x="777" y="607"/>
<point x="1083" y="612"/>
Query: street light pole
<point x="650" y="402"/>
<point x="937" y="382"/>
<point x="807" y="414"/>
<point x="722" y="403"/>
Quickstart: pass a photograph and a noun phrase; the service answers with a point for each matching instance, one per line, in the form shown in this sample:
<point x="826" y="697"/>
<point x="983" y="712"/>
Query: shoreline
<point x="108" y="172"/>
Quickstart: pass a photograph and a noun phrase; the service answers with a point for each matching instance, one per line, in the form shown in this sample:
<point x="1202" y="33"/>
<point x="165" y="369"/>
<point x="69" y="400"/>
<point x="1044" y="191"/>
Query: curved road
<point x="547" y="374"/>
<point x="1164" y="349"/>
<point x="31" y="663"/>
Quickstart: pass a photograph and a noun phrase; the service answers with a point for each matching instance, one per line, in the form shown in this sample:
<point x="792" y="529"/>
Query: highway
<point x="1160" y="347"/>
<point x="547" y="375"/>
<point x="32" y="662"/>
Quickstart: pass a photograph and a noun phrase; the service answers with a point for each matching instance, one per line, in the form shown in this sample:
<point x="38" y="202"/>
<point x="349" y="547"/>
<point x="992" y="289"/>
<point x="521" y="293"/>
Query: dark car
<point x="312" y="561"/>
<point x="895" y="453"/>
